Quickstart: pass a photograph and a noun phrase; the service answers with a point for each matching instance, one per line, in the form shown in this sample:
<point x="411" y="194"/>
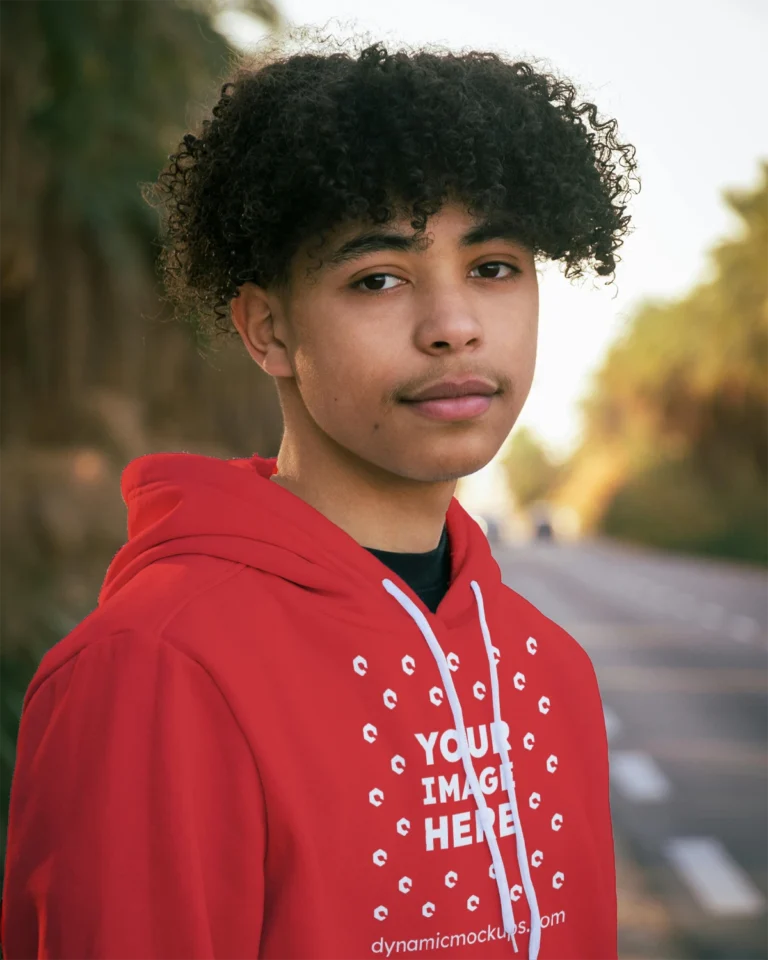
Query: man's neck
<point x="376" y="509"/>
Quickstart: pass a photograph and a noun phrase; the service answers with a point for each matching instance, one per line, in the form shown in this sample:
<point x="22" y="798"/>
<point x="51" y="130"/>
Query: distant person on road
<point x="307" y="719"/>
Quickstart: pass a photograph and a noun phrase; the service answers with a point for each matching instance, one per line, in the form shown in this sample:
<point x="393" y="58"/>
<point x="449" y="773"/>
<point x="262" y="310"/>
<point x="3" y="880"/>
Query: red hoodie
<point x="263" y="744"/>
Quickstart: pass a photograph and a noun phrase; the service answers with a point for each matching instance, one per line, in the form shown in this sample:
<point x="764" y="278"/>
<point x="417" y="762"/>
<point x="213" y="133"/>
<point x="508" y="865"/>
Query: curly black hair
<point x="298" y="143"/>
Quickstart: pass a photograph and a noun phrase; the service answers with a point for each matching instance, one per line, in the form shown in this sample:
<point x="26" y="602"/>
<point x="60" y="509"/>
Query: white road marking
<point x="713" y="876"/>
<point x="638" y="777"/>
<point x="612" y="724"/>
<point x="743" y="628"/>
<point x="685" y="605"/>
<point x="711" y="616"/>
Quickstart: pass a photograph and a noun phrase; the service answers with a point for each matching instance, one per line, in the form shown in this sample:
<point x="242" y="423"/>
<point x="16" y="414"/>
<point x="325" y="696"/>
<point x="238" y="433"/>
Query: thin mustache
<point x="502" y="381"/>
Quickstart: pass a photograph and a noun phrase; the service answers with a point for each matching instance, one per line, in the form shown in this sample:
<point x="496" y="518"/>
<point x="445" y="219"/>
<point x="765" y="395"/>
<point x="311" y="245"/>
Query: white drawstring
<point x="509" y="783"/>
<point x="502" y="885"/>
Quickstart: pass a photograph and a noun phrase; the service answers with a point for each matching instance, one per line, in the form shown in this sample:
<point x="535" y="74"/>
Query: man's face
<point x="382" y="319"/>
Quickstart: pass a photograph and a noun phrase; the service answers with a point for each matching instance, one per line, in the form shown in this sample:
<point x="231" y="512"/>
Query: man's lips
<point x="450" y="389"/>
<point x="453" y="399"/>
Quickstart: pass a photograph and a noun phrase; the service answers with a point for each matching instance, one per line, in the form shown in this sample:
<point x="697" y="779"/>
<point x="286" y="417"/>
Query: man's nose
<point x="449" y="323"/>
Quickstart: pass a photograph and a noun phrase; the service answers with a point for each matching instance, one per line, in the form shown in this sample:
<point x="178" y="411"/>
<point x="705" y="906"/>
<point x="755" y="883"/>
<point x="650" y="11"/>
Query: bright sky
<point x="685" y="80"/>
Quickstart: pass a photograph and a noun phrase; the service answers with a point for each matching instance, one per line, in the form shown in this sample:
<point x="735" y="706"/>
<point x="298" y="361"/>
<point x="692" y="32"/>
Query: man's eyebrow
<point x="491" y="230"/>
<point x="376" y="241"/>
<point x="372" y="241"/>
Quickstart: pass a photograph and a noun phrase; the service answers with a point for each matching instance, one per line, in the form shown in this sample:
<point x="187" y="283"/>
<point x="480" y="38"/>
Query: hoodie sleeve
<point x="137" y="826"/>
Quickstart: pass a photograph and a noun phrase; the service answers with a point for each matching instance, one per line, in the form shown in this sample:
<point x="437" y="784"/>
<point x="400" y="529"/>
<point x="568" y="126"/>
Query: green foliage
<point x="530" y="472"/>
<point x="93" y="97"/>
<point x="670" y="505"/>
<point x="684" y="396"/>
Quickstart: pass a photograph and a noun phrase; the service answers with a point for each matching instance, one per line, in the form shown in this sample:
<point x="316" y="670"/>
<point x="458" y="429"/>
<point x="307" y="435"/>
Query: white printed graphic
<point x="409" y="665"/>
<point x="451" y="878"/>
<point x="479" y="690"/>
<point x="551" y="763"/>
<point x="496" y="654"/>
<point x="528" y="741"/>
<point x="536" y="857"/>
<point x="519" y="681"/>
<point x="398" y="764"/>
<point x="403" y="826"/>
<point x="557" y="821"/>
<point x="376" y="797"/>
<point x="380" y="858"/>
<point x="453" y="662"/>
<point x="360" y="666"/>
<point x="390" y="699"/>
<point x="405" y="884"/>
<point x="492" y="872"/>
<point x="473" y="902"/>
<point x="436" y="696"/>
<point x="544" y="705"/>
<point x="531" y="644"/>
<point x="515" y="892"/>
<point x="370" y="732"/>
<point x="558" y="879"/>
<point x="380" y="913"/>
<point x="534" y="800"/>
<point x="428" y="909"/>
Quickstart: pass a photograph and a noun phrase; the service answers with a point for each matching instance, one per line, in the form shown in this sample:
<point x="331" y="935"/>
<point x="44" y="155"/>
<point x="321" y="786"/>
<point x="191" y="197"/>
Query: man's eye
<point x="494" y="266"/>
<point x="375" y="282"/>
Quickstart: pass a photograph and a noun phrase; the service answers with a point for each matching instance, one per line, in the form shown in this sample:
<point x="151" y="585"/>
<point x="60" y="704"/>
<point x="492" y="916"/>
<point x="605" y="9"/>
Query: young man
<point x="307" y="719"/>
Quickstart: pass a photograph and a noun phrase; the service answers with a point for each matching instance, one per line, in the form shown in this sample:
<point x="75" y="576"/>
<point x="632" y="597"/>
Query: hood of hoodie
<point x="181" y="504"/>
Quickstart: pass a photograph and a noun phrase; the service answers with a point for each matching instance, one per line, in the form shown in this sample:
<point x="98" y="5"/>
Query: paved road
<point x="681" y="654"/>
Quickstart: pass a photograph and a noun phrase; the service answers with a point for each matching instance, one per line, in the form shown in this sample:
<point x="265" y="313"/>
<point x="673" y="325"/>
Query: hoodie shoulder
<point x="156" y="595"/>
<point x="148" y="604"/>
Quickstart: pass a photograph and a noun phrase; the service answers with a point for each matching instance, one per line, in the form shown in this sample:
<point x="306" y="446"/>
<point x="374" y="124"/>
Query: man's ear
<point x="253" y="314"/>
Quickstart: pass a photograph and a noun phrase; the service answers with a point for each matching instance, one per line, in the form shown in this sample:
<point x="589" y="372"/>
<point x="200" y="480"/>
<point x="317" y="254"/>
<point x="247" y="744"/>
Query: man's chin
<point x="445" y="470"/>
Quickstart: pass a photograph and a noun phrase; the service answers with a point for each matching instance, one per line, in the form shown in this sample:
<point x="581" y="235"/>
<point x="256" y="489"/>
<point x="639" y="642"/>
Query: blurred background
<point x="629" y="504"/>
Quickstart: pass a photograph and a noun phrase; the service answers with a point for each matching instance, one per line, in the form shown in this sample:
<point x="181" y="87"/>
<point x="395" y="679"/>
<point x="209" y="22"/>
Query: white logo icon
<point x="528" y="741"/>
<point x="519" y="680"/>
<point x="453" y="662"/>
<point x="479" y="690"/>
<point x="403" y="826"/>
<point x="473" y="902"/>
<point x="551" y="763"/>
<point x="496" y="654"/>
<point x="380" y="858"/>
<point x="376" y="797"/>
<point x="534" y="800"/>
<point x="492" y="872"/>
<point x="450" y="878"/>
<point x="360" y="665"/>
<point x="558" y="880"/>
<point x="557" y="821"/>
<point x="398" y="764"/>
<point x="544" y="705"/>
<point x="405" y="884"/>
<point x="370" y="732"/>
<point x="436" y="696"/>
<point x="428" y="909"/>
<point x="531" y="644"/>
<point x="380" y="913"/>
<point x="409" y="665"/>
<point x="390" y="699"/>
<point x="515" y="892"/>
<point x="536" y="857"/>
